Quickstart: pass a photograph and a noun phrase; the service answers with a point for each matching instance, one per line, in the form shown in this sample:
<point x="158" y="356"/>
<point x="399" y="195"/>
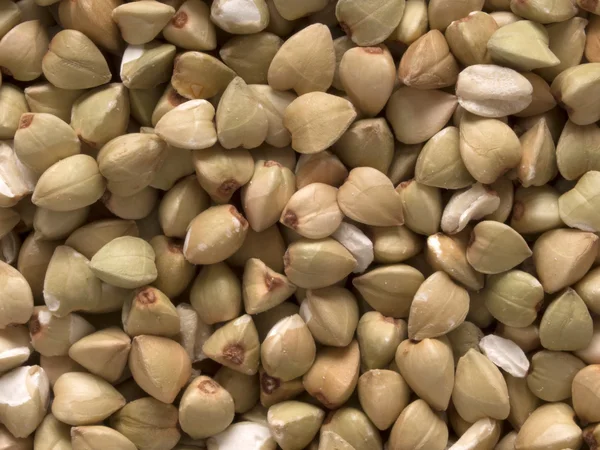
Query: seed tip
<point x="26" y="120"/>
<point x="272" y="282"/>
<point x="208" y="387"/>
<point x="34" y="324"/>
<point x="269" y="384"/>
<point x="234" y="353"/>
<point x="174" y="246"/>
<point x="346" y="29"/>
<point x="372" y="50"/>
<point x="146" y="296"/>
<point x="290" y="219"/>
<point x="518" y="210"/>
<point x="180" y="19"/>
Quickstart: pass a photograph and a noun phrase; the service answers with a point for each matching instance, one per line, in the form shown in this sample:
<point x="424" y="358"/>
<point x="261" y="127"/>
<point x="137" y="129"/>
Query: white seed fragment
<point x="505" y="354"/>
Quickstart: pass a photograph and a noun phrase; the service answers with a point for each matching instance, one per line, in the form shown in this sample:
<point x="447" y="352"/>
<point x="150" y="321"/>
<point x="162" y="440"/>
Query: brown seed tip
<point x="272" y="282"/>
<point x="179" y="20"/>
<point x="175" y="99"/>
<point x="471" y="239"/>
<point x="328" y="417"/>
<point x="589" y="5"/>
<point x="559" y="102"/>
<point x="321" y="397"/>
<point x="235" y="213"/>
<point x="588" y="437"/>
<point x="489" y="189"/>
<point x="146" y="296"/>
<point x="268" y="383"/>
<point x="290" y="219"/>
<point x="346" y="29"/>
<point x="86" y="142"/>
<point x="34" y="325"/>
<point x="272" y="164"/>
<point x="234" y="353"/>
<point x="228" y="187"/>
<point x="539" y="306"/>
<point x="518" y="210"/>
<point x="26" y="120"/>
<point x="174" y="246"/>
<point x="208" y="387"/>
<point x="373" y="50"/>
<point x="464" y="19"/>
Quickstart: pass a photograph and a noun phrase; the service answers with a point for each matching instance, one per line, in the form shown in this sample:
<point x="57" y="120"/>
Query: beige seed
<point x="438" y="307"/>
<point x="493" y="91"/>
<point x="264" y="198"/>
<point x="334" y="374"/>
<point x="74" y="62"/>
<point x="367" y="74"/>
<point x="198" y="75"/>
<point x="417" y="115"/>
<point x="369" y="22"/>
<point x="317" y="120"/>
<point x="468" y="37"/>
<point x="160" y="366"/>
<point x="522" y="45"/>
<point x="147" y="66"/>
<point x="191" y="28"/>
<point x="141" y="22"/>
<point x="368" y="196"/>
<point x="94" y="20"/>
<point x="241" y="119"/>
<point x="251" y="55"/>
<point x="428" y="63"/>
<point x="443" y="12"/>
<point x="189" y="125"/>
<point x="240" y="17"/>
<point x="22" y="50"/>
<point x="214" y="235"/>
<point x="101" y="114"/>
<point x="311" y="49"/>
